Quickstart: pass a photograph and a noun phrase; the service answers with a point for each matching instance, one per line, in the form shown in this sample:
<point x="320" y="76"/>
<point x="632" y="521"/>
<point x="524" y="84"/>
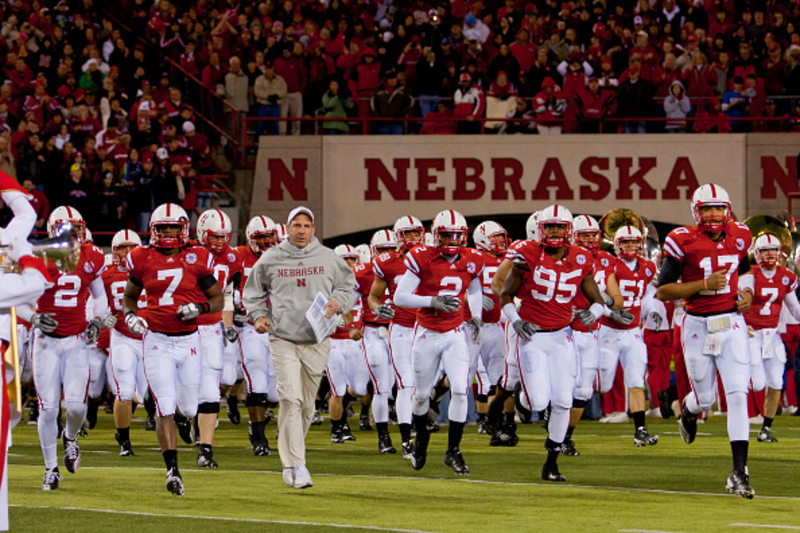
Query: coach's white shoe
<point x="288" y="476"/>
<point x="302" y="477"/>
<point x="618" y="418"/>
<point x="757" y="420"/>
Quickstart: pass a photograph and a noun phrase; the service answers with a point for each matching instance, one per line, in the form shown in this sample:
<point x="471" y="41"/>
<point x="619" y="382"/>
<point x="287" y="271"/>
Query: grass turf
<point x="612" y="486"/>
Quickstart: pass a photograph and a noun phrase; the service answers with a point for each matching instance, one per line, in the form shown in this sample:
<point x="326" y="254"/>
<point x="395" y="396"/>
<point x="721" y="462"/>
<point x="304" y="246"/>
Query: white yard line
<point x="644" y="531"/>
<point x="767" y="526"/>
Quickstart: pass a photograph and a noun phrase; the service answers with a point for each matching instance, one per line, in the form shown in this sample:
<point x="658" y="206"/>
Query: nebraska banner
<point x="771" y="172"/>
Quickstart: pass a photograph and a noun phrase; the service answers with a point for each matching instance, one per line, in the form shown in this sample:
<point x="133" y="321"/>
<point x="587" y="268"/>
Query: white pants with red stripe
<point x="482" y="379"/>
<point x="212" y="345"/>
<point x="60" y="363"/>
<point x="376" y="344"/>
<point x="97" y="370"/>
<point x="25" y="337"/>
<point x="127" y="367"/>
<point x="259" y="371"/>
<point x="510" y="369"/>
<point x="231" y="363"/>
<point x="624" y="346"/>
<point x="347" y="366"/>
<point x="401" y="339"/>
<point x="492" y="351"/>
<point x="586" y="342"/>
<point x="172" y="366"/>
<point x="450" y="350"/>
<point x="767" y="359"/>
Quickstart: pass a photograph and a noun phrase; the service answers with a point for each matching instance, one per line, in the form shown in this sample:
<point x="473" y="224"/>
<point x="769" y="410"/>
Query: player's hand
<point x="262" y="325"/>
<point x="743" y="301"/>
<point x="751" y="332"/>
<point x="622" y="316"/>
<point x="331" y="308"/>
<point x="385" y="311"/>
<point x="136" y="324"/>
<point x="239" y="318"/>
<point x="475" y="325"/>
<point x="717" y="281"/>
<point x="109" y="322"/>
<point x="190" y="311"/>
<point x="45" y="322"/>
<point x="231" y="334"/>
<point x="93" y="330"/>
<point x="525" y="330"/>
<point x="488" y="303"/>
<point x="585" y="316"/>
<point x="607" y="299"/>
<point x="446" y="304"/>
<point x="656" y="317"/>
<point x="356" y="334"/>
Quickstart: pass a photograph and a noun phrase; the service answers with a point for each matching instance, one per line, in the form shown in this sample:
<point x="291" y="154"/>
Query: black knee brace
<point x="579" y="404"/>
<point x="256" y="400"/>
<point x="210" y="408"/>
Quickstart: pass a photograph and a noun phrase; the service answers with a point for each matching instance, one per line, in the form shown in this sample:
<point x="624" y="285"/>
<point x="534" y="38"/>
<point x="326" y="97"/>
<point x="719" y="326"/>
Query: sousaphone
<point x="761" y="224"/>
<point x="615" y="219"/>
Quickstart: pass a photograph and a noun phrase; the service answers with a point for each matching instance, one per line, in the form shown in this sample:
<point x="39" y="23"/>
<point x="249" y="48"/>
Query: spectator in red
<point x="710" y="118"/>
<point x="721" y="24"/>
<point x="290" y="66"/>
<point x="593" y="106"/>
<point x="189" y="59"/>
<point x="522" y="48"/>
<point x="444" y="122"/>
<point x="774" y="69"/>
<point x="213" y="74"/>
<point x="197" y="144"/>
<point x="409" y="58"/>
<point x="664" y="75"/>
<point x="608" y="79"/>
<point x="39" y="103"/>
<point x="21" y="78"/>
<point x="549" y="105"/>
<point x="648" y="55"/>
<point x="699" y="79"/>
<point x="771" y="112"/>
<point x="39" y="203"/>
<point x="575" y="72"/>
<point x="470" y="104"/>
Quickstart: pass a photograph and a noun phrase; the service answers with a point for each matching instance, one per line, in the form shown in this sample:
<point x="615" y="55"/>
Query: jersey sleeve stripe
<point x="672" y="248"/>
<point x="377" y="270"/>
<point x="411" y="263"/>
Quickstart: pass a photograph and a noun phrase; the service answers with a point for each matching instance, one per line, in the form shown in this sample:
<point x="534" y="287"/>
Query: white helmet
<point x="364" y="253"/>
<point x="450" y="222"/>
<point x="532" y="227"/>
<point x="123" y="237"/>
<point x="711" y="195"/>
<point x="169" y="215"/>
<point x="483" y="237"/>
<point x="555" y="215"/>
<point x="409" y="223"/>
<point x="429" y="240"/>
<point x="586" y="233"/>
<point x="766" y="241"/>
<point x="66" y="215"/>
<point x="628" y="234"/>
<point x="87" y="238"/>
<point x="283" y="232"/>
<point x="261" y="226"/>
<point x="217" y="224"/>
<point x="384" y="239"/>
<point x="345" y="251"/>
<point x="109" y="260"/>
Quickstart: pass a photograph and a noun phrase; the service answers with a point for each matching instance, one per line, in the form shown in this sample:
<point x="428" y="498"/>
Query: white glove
<point x="475" y="325"/>
<point x="446" y="304"/>
<point x="136" y="324"/>
<point x="93" y="330"/>
<point x="488" y="303"/>
<point x="622" y="316"/>
<point x="525" y="330"/>
<point x="110" y="321"/>
<point x="19" y="248"/>
<point x="607" y="299"/>
<point x="45" y="322"/>
<point x="656" y="317"/>
<point x="341" y="323"/>
<point x="191" y="311"/>
<point x="585" y="316"/>
<point x="385" y="311"/>
<point x="231" y="334"/>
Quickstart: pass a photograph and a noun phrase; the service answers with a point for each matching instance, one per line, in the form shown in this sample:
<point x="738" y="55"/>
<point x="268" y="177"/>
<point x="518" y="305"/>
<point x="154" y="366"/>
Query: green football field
<point x="613" y="486"/>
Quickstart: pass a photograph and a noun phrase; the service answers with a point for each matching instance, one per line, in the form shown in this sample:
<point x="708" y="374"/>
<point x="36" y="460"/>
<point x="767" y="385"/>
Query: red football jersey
<point x="390" y="267"/>
<point x="438" y="277"/>
<point x="226" y="265"/>
<point x="248" y="260"/>
<point x="701" y="257"/>
<point x="602" y="262"/>
<point x="170" y="281"/>
<point x="364" y="278"/>
<point x="66" y="299"/>
<point x="769" y="293"/>
<point x="490" y="264"/>
<point x="632" y="286"/>
<point x="344" y="333"/>
<point x="115" y="279"/>
<point x="550" y="286"/>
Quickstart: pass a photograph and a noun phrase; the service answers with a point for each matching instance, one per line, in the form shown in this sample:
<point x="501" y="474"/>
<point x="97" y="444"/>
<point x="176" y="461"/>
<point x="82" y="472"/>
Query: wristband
<point x="206" y="307"/>
<point x="597" y="309"/>
<point x="705" y="283"/>
<point x="510" y="311"/>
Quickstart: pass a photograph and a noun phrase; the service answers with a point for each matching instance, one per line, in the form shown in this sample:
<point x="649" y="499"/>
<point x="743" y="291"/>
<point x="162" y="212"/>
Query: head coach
<point x="282" y="286"/>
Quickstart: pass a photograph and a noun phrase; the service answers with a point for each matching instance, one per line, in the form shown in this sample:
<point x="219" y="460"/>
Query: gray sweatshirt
<point x="284" y="282"/>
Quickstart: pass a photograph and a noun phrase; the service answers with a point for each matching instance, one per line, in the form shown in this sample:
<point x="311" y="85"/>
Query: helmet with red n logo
<point x="626" y="235"/>
<point x="452" y="226"/>
<point x="261" y="229"/>
<point x="555" y="226"/>
<point x="403" y="228"/>
<point x="283" y="232"/>
<point x="169" y="226"/>
<point x="383" y="241"/>
<point x="586" y="233"/>
<point x="364" y="254"/>
<point x="214" y="231"/>
<point x="490" y="236"/>
<point x="532" y="227"/>
<point x="123" y="237"/>
<point x="764" y="243"/>
<point x="711" y="195"/>
<point x="66" y="215"/>
<point x="345" y="251"/>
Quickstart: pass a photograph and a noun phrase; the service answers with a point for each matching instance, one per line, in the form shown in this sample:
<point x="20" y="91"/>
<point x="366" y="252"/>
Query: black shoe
<point x="505" y="436"/>
<point x="316" y="419"/>
<point x="33" y="418"/>
<point x="205" y="458"/>
<point x="82" y="432"/>
<point x="455" y="460"/>
<point x="336" y="436"/>
<point x="433" y="425"/>
<point x="72" y="453"/>
<point x="261" y="449"/>
<point x="568" y="448"/>
<point x="544" y="418"/>
<point x="232" y="406"/>
<point x="51" y="479"/>
<point x="643" y="438"/>
<point x="174" y="482"/>
<point x="551" y="473"/>
<point x="739" y="483"/>
<point x="665" y="406"/>
<point x="268" y="416"/>
<point x="408" y="449"/>
<point x="385" y="444"/>
<point x="150" y="424"/>
<point x="484" y="428"/>
<point x="765" y="435"/>
<point x="125" y="448"/>
<point x="347" y="435"/>
<point x="688" y="426"/>
<point x="525" y="414"/>
<point x="91" y="413"/>
<point x="185" y="429"/>
<point x="420" y="453"/>
<point x="363" y="422"/>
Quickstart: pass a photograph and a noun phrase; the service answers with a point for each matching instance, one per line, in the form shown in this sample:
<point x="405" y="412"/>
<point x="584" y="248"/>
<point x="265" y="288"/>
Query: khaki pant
<point x="298" y="370"/>
<point x="291" y="106"/>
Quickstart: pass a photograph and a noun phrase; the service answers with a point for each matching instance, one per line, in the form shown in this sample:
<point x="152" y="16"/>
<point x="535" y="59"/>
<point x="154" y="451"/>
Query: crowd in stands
<point x="99" y="107"/>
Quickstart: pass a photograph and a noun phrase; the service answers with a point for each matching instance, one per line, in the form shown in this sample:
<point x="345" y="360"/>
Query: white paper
<point x="323" y="327"/>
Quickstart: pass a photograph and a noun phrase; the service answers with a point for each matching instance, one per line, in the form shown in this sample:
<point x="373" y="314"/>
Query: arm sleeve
<point x="228" y="294"/>
<point x="99" y="299"/>
<point x="648" y="301"/>
<point x="671" y="271"/>
<point x="792" y="305"/>
<point x="404" y="295"/>
<point x="475" y="298"/>
<point x="19" y="289"/>
<point x="24" y="216"/>
<point x="25" y="312"/>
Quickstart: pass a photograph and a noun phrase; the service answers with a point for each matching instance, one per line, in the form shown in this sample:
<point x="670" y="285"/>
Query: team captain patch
<point x="191" y="258"/>
<point x="581" y="259"/>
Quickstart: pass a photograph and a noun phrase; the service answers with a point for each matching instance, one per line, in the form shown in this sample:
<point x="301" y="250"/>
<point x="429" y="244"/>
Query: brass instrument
<point x="63" y="251"/>
<point x="14" y="388"/>
<point x="615" y="219"/>
<point x="794" y="257"/>
<point x="761" y="224"/>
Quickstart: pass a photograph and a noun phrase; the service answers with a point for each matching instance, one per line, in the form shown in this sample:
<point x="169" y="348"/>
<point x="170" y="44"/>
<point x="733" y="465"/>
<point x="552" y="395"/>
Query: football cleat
<point x="505" y="436"/>
<point x="385" y="444"/>
<point x="150" y="424"/>
<point x="51" y="479"/>
<point x="551" y="473"/>
<point x="363" y="422"/>
<point x="72" y="453"/>
<point x="347" y="435"/>
<point x="205" y="458"/>
<point x="688" y="426"/>
<point x="33" y="417"/>
<point x="643" y="438"/>
<point x="665" y="405"/>
<point x="408" y="449"/>
<point x="232" y="406"/>
<point x="568" y="448"/>
<point x="82" y="432"/>
<point x="185" y="429"/>
<point x="302" y="477"/>
<point x="483" y="428"/>
<point x="455" y="460"/>
<point x="174" y="482"/>
<point x="269" y="415"/>
<point x="420" y="453"/>
<point x="336" y="436"/>
<point x="433" y="425"/>
<point x="125" y="448"/>
<point x="739" y="483"/>
<point x="91" y="413"/>
<point x="262" y="449"/>
<point x="765" y="435"/>
<point x="316" y="420"/>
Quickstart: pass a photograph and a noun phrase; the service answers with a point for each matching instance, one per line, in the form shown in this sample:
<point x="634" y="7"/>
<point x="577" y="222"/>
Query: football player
<point x="364" y="254"/>
<point x="179" y="281"/>
<point x="706" y="265"/>
<point x="214" y="231"/>
<point x="60" y="356"/>
<point x="262" y="234"/>
<point x="389" y="267"/>
<point x="126" y="348"/>
<point x="436" y="282"/>
<point x="774" y="286"/>
<point x="547" y="276"/>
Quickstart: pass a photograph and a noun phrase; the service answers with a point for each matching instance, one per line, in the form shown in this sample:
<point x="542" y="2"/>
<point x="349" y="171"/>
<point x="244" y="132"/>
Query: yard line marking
<point x="223" y="518"/>
<point x="451" y="480"/>
<point x="644" y="531"/>
<point x="768" y="526"/>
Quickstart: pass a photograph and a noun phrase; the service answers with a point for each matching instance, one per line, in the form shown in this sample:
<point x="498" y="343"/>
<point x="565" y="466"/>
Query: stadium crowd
<point x="94" y="115"/>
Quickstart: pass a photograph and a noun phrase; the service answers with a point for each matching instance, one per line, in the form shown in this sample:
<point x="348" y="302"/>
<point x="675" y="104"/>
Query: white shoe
<point x="288" y="476"/>
<point x="618" y="418"/>
<point x="653" y="413"/>
<point x="757" y="420"/>
<point x="790" y="410"/>
<point x="302" y="477"/>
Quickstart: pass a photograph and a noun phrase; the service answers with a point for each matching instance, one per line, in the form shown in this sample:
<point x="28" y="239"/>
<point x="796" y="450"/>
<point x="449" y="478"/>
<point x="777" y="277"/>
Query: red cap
<point x="566" y="5"/>
<point x="147" y="157"/>
<point x="692" y="38"/>
<point x="605" y="60"/>
<point x="774" y="47"/>
<point x="63" y="91"/>
<point x="464" y="77"/>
